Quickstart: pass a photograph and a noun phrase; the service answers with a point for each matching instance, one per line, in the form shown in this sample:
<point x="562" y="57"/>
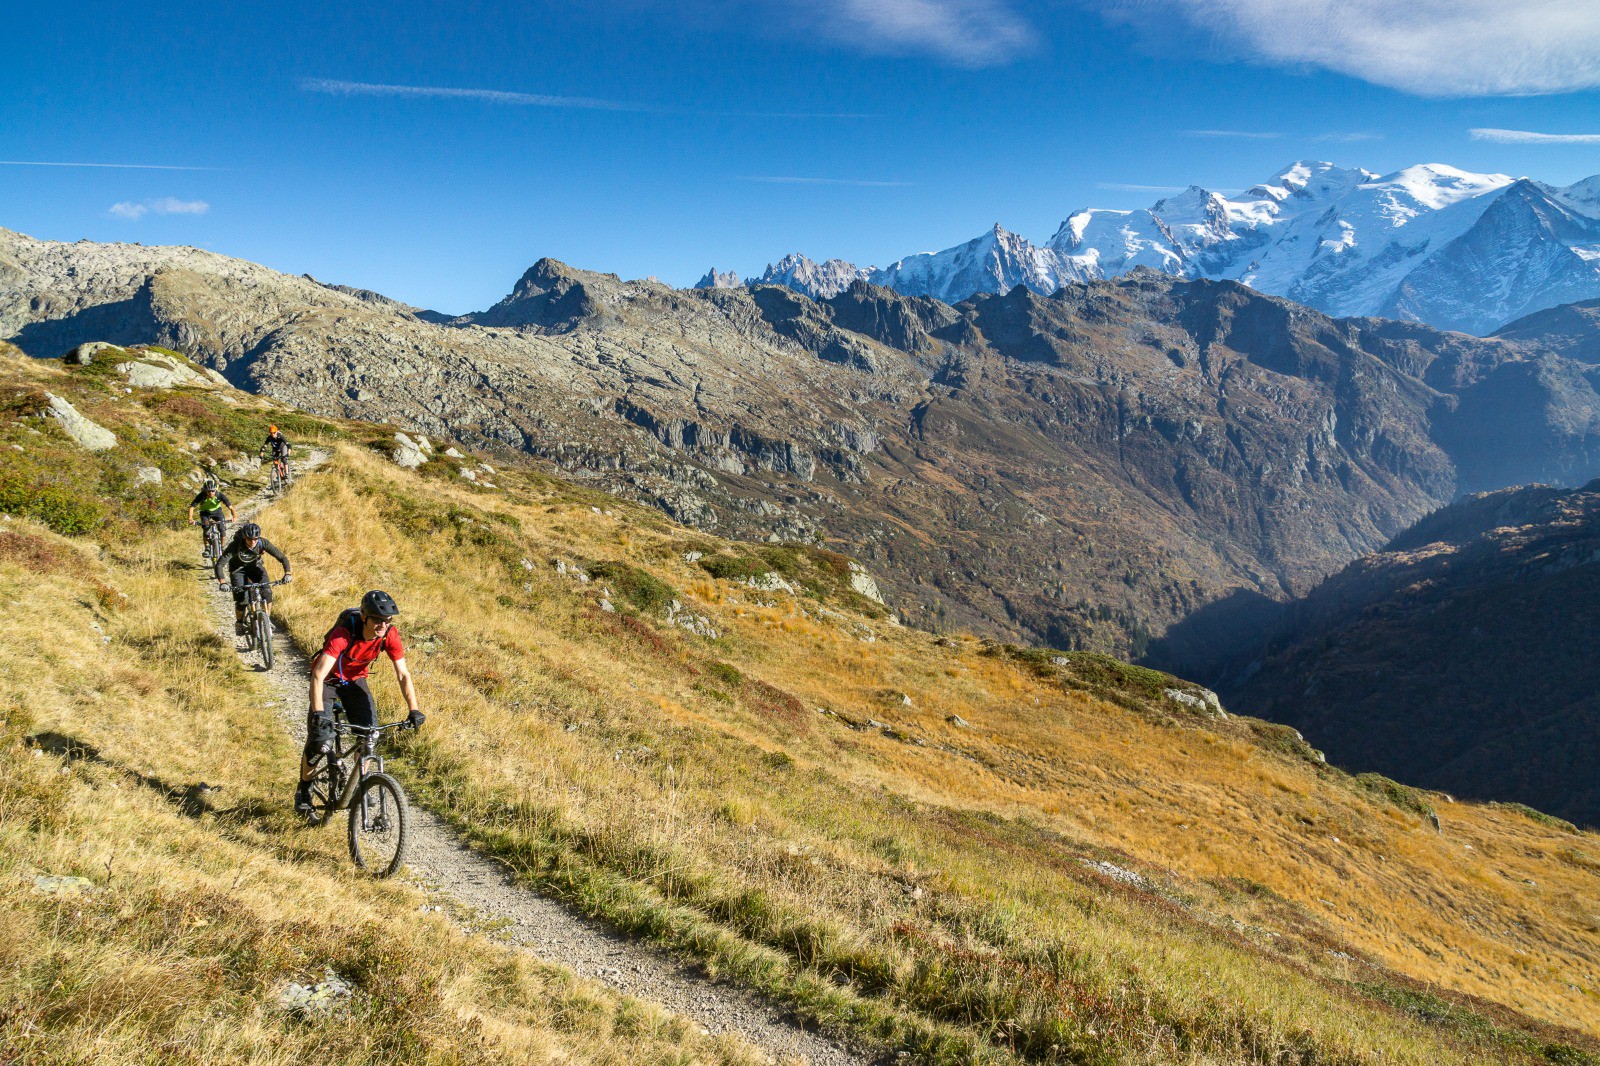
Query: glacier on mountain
<point x="1429" y="243"/>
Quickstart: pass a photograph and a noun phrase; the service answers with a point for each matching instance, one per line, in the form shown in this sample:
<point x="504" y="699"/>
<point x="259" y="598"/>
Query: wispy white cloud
<point x="974" y="33"/>
<point x="335" y="87"/>
<point x="1427" y="47"/>
<point x="164" y="205"/>
<point x="1346" y="138"/>
<point x="1528" y="137"/>
<point x="1249" y="135"/>
<point x="487" y="96"/>
<point x="781" y="179"/>
<point x="112" y="166"/>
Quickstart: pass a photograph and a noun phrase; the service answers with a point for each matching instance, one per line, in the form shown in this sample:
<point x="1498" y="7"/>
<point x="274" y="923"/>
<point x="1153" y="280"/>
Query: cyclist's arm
<point x="321" y="667"/>
<point x="272" y="550"/>
<point x="222" y="557"/>
<point x="191" y="514"/>
<point x="402" y="674"/>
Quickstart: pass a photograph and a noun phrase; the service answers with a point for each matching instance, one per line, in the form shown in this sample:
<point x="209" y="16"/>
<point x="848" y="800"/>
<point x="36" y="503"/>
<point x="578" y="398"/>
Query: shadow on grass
<point x="252" y="822"/>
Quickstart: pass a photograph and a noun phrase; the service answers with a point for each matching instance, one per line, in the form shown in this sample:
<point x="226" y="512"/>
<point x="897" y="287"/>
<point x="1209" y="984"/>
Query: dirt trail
<point x="442" y="863"/>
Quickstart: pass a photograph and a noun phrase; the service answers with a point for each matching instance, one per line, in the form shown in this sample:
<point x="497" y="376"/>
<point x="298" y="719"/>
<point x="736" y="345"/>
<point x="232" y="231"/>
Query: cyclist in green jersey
<point x="210" y="503"/>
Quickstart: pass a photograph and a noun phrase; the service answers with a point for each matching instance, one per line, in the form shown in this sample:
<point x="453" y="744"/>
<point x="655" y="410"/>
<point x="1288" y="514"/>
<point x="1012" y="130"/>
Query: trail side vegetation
<point x="944" y="846"/>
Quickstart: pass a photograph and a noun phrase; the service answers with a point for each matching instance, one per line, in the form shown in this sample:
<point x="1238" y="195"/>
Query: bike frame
<point x="366" y="752"/>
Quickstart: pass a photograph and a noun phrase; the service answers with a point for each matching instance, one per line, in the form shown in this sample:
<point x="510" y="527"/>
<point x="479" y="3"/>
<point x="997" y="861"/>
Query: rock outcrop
<point x="88" y="433"/>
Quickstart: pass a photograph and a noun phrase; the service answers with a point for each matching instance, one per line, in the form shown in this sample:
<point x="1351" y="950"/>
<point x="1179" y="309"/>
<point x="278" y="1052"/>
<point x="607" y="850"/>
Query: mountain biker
<point x="209" y="502"/>
<point x="339" y="672"/>
<point x="278" y="445"/>
<point x="244" y="558"/>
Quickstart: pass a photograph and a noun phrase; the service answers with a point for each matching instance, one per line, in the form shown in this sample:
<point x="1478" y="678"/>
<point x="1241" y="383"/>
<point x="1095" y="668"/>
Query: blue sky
<point x="634" y="137"/>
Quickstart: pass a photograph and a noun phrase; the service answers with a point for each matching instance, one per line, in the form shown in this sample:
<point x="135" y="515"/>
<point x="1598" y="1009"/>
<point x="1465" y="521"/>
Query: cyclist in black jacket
<point x="277" y="445"/>
<point x="243" y="556"/>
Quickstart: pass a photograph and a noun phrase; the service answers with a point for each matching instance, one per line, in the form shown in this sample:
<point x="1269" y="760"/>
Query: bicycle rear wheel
<point x="378" y="825"/>
<point x="263" y="628"/>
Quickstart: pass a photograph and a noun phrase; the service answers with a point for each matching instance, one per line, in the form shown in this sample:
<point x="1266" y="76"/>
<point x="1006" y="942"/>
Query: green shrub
<point x="1403" y="796"/>
<point x="1532" y="815"/>
<point x="645" y="591"/>
<point x="65" y="511"/>
<point x="733" y="567"/>
<point x="1285" y="740"/>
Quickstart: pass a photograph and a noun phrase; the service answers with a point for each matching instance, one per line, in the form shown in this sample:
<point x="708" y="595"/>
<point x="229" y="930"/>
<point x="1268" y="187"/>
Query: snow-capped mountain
<point x="818" y="281"/>
<point x="1428" y="243"/>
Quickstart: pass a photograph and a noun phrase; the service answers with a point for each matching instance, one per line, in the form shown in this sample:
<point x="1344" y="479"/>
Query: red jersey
<point x="351" y="655"/>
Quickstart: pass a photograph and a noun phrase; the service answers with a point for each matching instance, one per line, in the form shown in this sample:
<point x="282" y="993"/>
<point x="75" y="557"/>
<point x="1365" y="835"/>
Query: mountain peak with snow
<point x="1425" y="242"/>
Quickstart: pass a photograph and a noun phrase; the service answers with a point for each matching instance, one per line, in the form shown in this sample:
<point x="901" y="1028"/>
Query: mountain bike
<point x="258" y="622"/>
<point x="376" y="803"/>
<point x="278" y="479"/>
<point x="211" y="538"/>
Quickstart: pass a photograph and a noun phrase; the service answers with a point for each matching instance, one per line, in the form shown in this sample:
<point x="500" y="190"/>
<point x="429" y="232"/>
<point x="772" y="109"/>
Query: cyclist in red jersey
<point x="339" y="672"/>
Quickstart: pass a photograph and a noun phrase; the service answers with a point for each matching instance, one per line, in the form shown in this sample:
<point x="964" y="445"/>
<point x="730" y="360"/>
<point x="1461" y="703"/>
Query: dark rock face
<point x="1460" y="657"/>
<point x="550" y="295"/>
<point x="1571" y="331"/>
<point x="1140" y="466"/>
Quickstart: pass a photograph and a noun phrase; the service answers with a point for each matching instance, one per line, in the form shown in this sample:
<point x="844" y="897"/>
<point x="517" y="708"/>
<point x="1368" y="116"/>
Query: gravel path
<point x="481" y="886"/>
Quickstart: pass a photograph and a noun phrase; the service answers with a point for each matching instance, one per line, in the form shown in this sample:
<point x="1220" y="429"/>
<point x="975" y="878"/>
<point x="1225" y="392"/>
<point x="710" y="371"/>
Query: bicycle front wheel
<point x="264" y="637"/>
<point x="378" y="825"/>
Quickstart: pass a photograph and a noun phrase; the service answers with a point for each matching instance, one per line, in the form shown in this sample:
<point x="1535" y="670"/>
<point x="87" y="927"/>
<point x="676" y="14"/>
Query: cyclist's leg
<point x="256" y="574"/>
<point x="319" y="732"/>
<point x="238" y="576"/>
<point x="358" y="706"/>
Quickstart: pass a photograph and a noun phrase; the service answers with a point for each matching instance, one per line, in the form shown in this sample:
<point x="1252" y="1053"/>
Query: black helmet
<point x="378" y="604"/>
<point x="250" y="531"/>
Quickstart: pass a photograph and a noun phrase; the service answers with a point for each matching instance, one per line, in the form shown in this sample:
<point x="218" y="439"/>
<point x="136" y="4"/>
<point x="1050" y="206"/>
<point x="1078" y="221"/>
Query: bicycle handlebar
<point x="346" y="727"/>
<point x="260" y="584"/>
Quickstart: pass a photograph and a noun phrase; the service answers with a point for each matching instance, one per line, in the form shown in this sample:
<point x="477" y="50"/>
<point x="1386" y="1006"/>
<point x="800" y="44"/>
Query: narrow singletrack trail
<point x="482" y="886"/>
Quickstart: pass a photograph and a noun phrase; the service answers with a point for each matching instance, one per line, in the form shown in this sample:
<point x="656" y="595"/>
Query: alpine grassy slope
<point x="944" y="845"/>
<point x="157" y="898"/>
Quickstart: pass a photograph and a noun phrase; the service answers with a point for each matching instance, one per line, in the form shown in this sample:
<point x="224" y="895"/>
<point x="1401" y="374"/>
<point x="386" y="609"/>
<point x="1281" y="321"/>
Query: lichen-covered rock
<point x="84" y="353"/>
<point x="770" y="582"/>
<point x="153" y="370"/>
<point x="323" y="997"/>
<point x="863" y="582"/>
<point x="407" y="452"/>
<point x="1203" y="700"/>
<point x="88" y="433"/>
<point x="148" y="475"/>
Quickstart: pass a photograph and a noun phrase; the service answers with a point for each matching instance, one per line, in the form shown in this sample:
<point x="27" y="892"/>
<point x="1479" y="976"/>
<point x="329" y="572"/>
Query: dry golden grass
<point x="205" y="903"/>
<point x="938" y="894"/>
<point x="1086" y="874"/>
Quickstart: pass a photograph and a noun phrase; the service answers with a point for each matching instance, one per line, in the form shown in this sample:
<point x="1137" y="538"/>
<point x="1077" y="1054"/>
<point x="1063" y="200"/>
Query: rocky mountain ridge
<point x="1089" y="469"/>
<point x="1428" y="243"/>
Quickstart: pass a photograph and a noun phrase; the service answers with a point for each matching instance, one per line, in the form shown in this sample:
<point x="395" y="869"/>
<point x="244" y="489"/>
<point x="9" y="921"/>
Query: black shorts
<point x="249" y="574"/>
<point x="356" y="700"/>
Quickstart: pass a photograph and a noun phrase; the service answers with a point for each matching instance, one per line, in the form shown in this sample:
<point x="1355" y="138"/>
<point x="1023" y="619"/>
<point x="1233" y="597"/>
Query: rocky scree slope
<point x="1084" y="470"/>
<point x="1461" y="656"/>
